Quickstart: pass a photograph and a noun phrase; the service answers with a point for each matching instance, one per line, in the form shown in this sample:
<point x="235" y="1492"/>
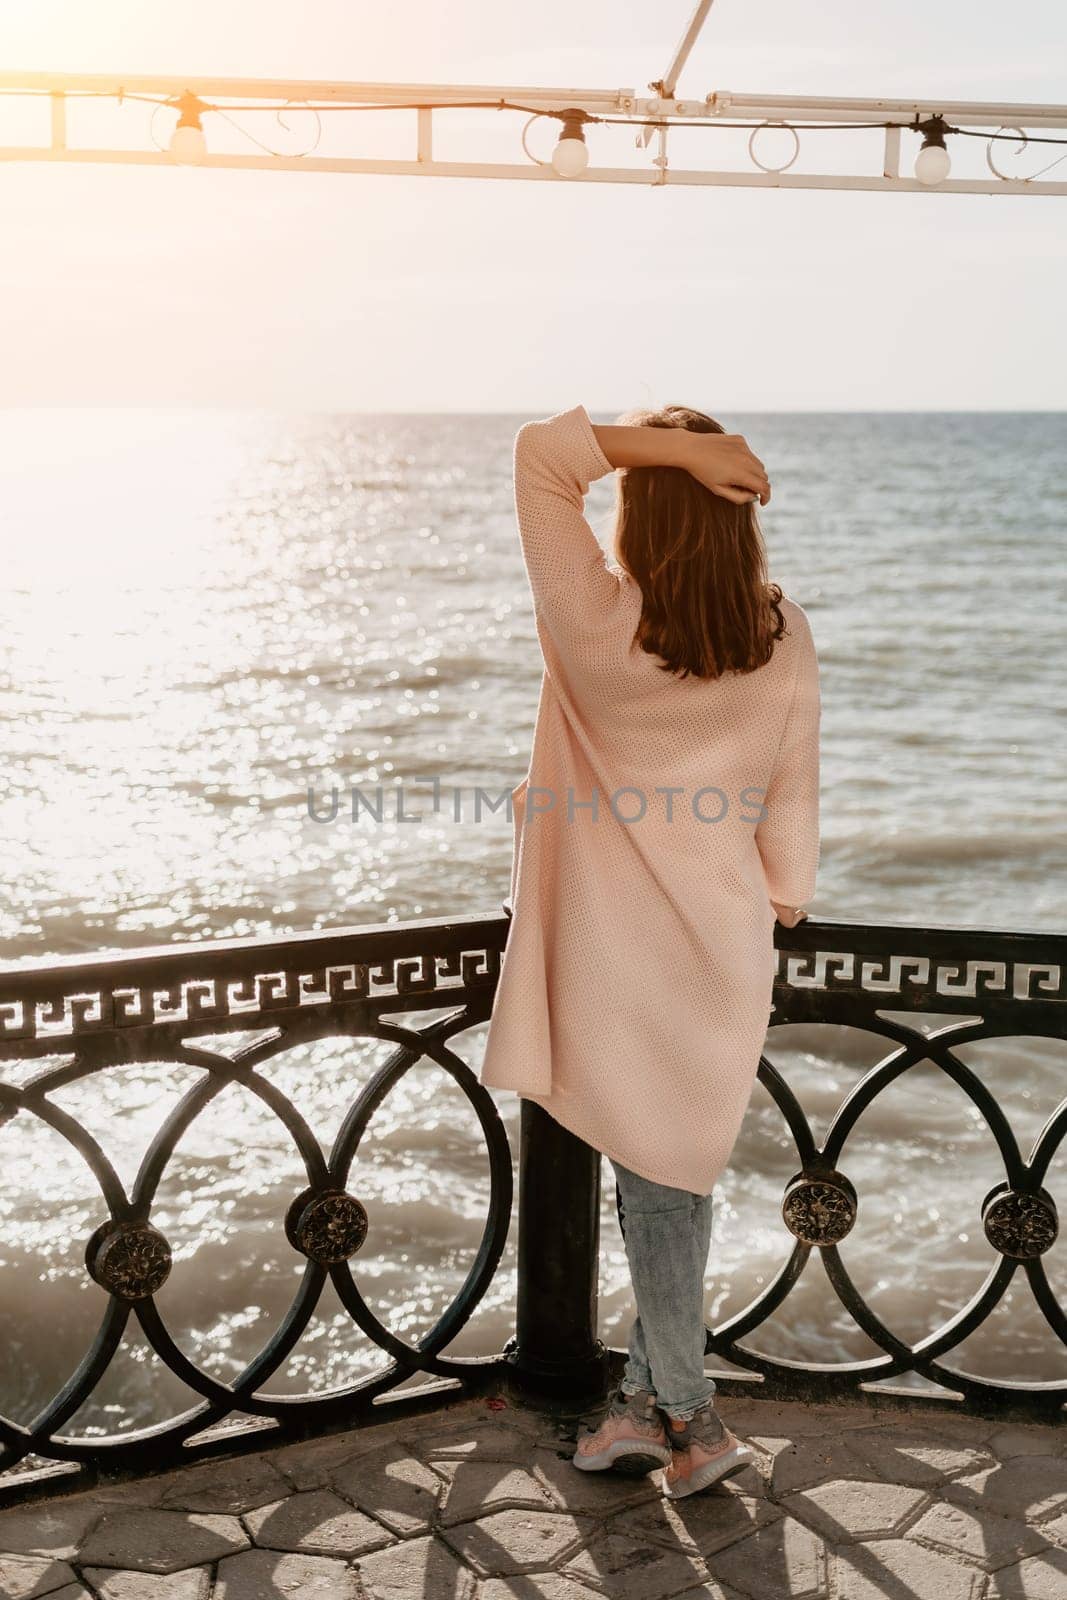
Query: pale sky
<point x="127" y="287"/>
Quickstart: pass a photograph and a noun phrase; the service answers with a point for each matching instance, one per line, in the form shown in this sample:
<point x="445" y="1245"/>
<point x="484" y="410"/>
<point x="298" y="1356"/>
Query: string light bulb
<point x="933" y="163"/>
<point x="570" y="158"/>
<point x="187" y="142"/>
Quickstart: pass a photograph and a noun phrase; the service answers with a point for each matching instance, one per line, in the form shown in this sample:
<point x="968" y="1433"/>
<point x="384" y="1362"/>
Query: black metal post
<point x="556" y="1351"/>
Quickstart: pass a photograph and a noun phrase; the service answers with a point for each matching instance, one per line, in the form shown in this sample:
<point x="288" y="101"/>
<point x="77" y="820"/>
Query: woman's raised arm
<point x="721" y="461"/>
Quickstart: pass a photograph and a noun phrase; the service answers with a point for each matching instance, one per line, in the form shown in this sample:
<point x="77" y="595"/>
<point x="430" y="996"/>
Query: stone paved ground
<point x="481" y="1502"/>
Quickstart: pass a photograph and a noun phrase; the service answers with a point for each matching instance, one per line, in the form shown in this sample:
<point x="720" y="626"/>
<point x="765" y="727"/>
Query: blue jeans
<point x="667" y="1233"/>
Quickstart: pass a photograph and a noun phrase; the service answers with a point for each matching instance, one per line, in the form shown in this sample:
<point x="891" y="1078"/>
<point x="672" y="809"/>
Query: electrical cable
<point x="707" y="120"/>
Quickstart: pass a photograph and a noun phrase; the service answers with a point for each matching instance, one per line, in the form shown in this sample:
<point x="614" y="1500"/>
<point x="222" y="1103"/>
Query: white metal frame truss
<point x="1007" y="128"/>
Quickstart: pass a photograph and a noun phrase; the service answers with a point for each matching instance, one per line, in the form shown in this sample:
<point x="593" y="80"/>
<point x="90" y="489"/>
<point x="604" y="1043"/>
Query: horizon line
<point x="534" y="411"/>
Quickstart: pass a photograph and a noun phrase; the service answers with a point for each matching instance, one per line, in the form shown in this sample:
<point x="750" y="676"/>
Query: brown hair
<point x="700" y="562"/>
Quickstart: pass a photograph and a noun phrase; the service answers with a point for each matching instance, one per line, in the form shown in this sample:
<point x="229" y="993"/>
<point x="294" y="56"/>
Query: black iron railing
<point x="158" y="1005"/>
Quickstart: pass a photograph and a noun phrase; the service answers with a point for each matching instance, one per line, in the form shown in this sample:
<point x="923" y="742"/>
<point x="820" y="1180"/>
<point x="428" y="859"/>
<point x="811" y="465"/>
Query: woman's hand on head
<point x="721" y="461"/>
<point x="724" y="463"/>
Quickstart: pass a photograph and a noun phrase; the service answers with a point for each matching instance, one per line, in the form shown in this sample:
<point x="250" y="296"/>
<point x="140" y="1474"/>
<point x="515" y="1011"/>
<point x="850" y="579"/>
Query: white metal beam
<point x="424" y="102"/>
<point x="813" y="108"/>
<point x="677" y="176"/>
<point x="305" y="89"/>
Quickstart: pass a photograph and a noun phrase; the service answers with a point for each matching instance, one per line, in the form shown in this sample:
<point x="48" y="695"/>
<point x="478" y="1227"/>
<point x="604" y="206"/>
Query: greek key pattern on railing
<point x="433" y="963"/>
<point x="169" y="990"/>
<point x="947" y="980"/>
<point x="839" y="971"/>
<point x="216" y="1000"/>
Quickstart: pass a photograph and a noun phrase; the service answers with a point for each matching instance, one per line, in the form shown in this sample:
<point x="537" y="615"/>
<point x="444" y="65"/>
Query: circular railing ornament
<point x="131" y="1260"/>
<point x="1020" y="1223"/>
<point x="819" y="1208"/>
<point x="1007" y="177"/>
<point x="781" y="166"/>
<point x="326" y="1225"/>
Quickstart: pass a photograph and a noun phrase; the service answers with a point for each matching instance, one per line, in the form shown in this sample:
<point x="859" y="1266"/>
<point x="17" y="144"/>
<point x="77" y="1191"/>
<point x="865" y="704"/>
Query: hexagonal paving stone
<point x="310" y="1463"/>
<point x="110" y="1494"/>
<point x="660" y="1522"/>
<point x="400" y="1492"/>
<point x="955" y="1424"/>
<point x="533" y="1423"/>
<point x="699" y="1523"/>
<point x="1030" y="1487"/>
<point x="596" y="1493"/>
<point x="535" y="1586"/>
<point x="447" y="1413"/>
<point x="850" y="1508"/>
<point x="48" y="1527"/>
<point x="318" y="1522"/>
<point x="1042" y="1577"/>
<point x="808" y="1461"/>
<point x="793" y="1419"/>
<point x="264" y="1575"/>
<point x="914" y="1455"/>
<point x="783" y="1559"/>
<point x="481" y="1440"/>
<point x="1028" y="1441"/>
<point x="478" y="1488"/>
<point x="418" y="1567"/>
<point x="160" y="1541"/>
<point x="153" y="1489"/>
<point x="896" y="1567"/>
<point x="193" y="1585"/>
<point x="226" y="1487"/>
<point x="629" y="1568"/>
<point x="989" y="1540"/>
<point x="26" y="1577"/>
<point x="518" y="1541"/>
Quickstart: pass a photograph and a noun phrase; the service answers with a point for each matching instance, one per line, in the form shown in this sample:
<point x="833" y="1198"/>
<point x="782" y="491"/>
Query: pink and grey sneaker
<point x="631" y="1438"/>
<point x="703" y="1452"/>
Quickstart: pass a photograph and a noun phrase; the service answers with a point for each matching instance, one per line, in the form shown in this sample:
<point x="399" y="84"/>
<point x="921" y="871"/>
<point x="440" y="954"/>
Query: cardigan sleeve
<point x="555" y="462"/>
<point x="788" y="833"/>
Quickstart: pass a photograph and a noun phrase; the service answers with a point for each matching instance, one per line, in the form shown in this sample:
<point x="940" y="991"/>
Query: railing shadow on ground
<point x="81" y="1017"/>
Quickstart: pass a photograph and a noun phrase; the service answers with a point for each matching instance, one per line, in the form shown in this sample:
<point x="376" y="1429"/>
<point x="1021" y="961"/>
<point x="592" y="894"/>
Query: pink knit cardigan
<point x="659" y="818"/>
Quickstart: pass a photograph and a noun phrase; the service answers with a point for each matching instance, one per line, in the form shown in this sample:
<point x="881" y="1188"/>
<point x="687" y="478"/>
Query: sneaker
<point x="632" y="1437"/>
<point x="702" y="1453"/>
